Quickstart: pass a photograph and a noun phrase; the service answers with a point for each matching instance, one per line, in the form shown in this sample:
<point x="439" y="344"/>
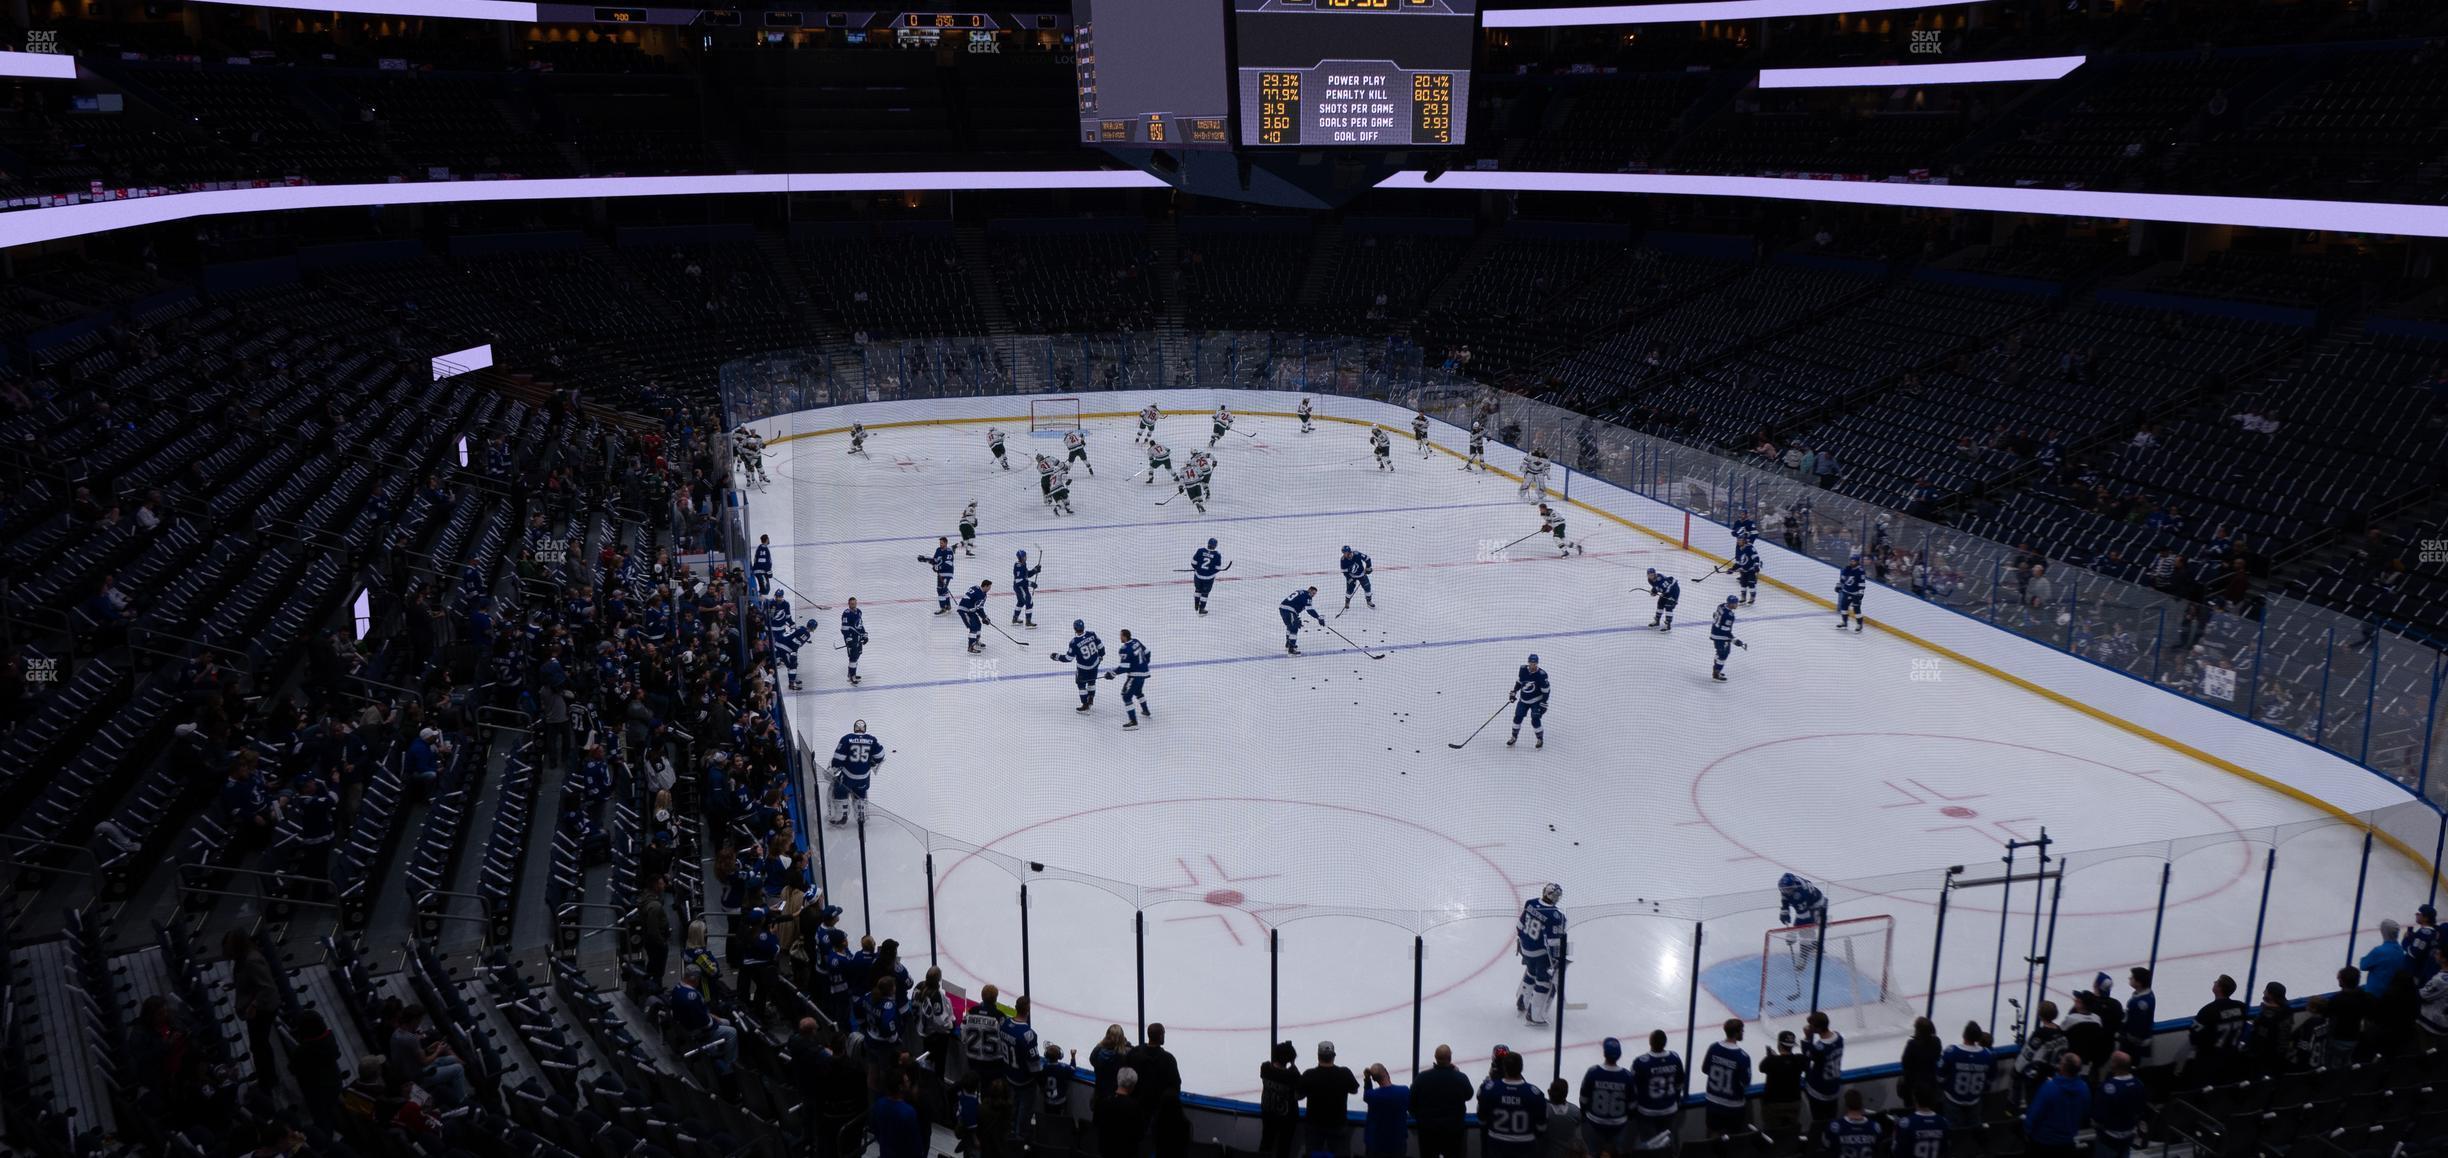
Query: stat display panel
<point x="1353" y="73"/>
<point x="1150" y="75"/>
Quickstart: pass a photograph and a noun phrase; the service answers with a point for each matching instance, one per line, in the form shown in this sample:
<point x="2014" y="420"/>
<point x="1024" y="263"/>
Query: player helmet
<point x="1552" y="893"/>
<point x="1211" y="544"/>
<point x="1788" y="882"/>
<point x="1020" y="554"/>
<point x="1347" y="548"/>
<point x="1079" y="625"/>
<point x="1653" y="572"/>
<point x="1731" y="600"/>
<point x="1534" y="657"/>
<point x="858" y="725"/>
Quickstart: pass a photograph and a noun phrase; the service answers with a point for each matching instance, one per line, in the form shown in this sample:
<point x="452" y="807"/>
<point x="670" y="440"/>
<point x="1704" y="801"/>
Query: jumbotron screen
<point x="1151" y="73"/>
<point x="1353" y="73"/>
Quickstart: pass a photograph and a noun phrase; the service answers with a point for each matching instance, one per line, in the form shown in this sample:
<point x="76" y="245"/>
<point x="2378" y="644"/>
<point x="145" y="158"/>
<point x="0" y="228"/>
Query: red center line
<point x="1270" y="576"/>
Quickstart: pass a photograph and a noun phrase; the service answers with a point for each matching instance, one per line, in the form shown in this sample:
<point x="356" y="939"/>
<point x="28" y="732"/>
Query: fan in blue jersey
<point x="973" y="613"/>
<point x="1800" y="906"/>
<point x="1721" y="636"/>
<point x="1747" y="570"/>
<point x="1293" y="605"/>
<point x="1606" y="1102"/>
<point x="1849" y="585"/>
<point x="1922" y="1133"/>
<point x="941" y="561"/>
<point x="1726" y="1072"/>
<point x="1529" y="696"/>
<point x="1024" y="590"/>
<point x="762" y="568"/>
<point x="1669" y="591"/>
<point x="854" y="634"/>
<point x="1085" y="652"/>
<point x="1205" y="564"/>
<point x="1132" y="668"/>
<point x="1539" y="941"/>
<point x="1356" y="567"/>
<point x="1512" y="1113"/>
<point x="1658" y="1085"/>
<point x="1822" y="1065"/>
<point x="855" y="760"/>
<point x="1854" y="1133"/>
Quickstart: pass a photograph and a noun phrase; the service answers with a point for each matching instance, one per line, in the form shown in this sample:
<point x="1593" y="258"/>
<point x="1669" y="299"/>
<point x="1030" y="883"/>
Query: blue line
<point x="1431" y="644"/>
<point x="1061" y="530"/>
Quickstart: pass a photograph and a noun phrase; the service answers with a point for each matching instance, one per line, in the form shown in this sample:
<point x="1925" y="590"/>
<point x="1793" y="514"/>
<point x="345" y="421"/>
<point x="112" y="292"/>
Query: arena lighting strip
<point x="1890" y="75"/>
<point x="1682" y="13"/>
<point x="2382" y="217"/>
<point x="514" y="11"/>
<point x="38" y="65"/>
<point x="30" y="226"/>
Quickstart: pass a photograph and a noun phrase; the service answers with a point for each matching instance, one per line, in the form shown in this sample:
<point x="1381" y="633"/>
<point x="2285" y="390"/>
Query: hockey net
<point x="1054" y="415"/>
<point x="1856" y="981"/>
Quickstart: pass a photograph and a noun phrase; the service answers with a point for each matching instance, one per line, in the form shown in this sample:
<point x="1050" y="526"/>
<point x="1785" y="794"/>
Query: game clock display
<point x="1353" y="73"/>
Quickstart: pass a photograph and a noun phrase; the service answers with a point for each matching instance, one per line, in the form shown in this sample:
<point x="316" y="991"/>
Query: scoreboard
<point x="1352" y="73"/>
<point x="1151" y="74"/>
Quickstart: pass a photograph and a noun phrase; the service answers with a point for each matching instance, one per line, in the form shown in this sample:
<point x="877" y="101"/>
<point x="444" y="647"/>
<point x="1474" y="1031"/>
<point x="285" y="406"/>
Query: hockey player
<point x="1075" y="446"/>
<point x="994" y="446"/>
<point x="1206" y="464"/>
<point x="762" y="566"/>
<point x="1721" y="634"/>
<point x="786" y="645"/>
<point x="1356" y="566"/>
<point x="858" y="439"/>
<point x="1478" y="447"/>
<point x="1045" y="479"/>
<point x="1304" y="413"/>
<point x="1223" y="422"/>
<point x="968" y="529"/>
<point x="855" y="761"/>
<point x="751" y="451"/>
<point x="941" y="561"/>
<point x="1133" y="670"/>
<point x="1800" y="904"/>
<point x="1419" y="434"/>
<point x="1529" y="699"/>
<point x="1194" y="484"/>
<point x="1293" y="605"/>
<point x="1533" y="476"/>
<point x="1746" y="528"/>
<point x="1669" y="591"/>
<point x="1160" y="457"/>
<point x="1085" y="652"/>
<point x="854" y="634"/>
<point x="1060" y="497"/>
<point x="1747" y="569"/>
<point x="1024" y="590"/>
<point x="973" y="613"/>
<point x="1205" y="564"/>
<point x="1148" y="415"/>
<point x="1849" y="585"/>
<point x="1382" y="447"/>
<point x="1552" y="522"/>
<point x="1539" y="942"/>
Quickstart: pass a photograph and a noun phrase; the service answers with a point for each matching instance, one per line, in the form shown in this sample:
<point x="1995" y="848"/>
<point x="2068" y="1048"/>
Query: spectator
<point x="2272" y="1035"/>
<point x="654" y="929"/>
<point x="2141" y="1018"/>
<point x="314" y="1064"/>
<point x="1105" y="1061"/>
<point x="429" y="1064"/>
<point x="2382" y="961"/>
<point x="2046" y="1042"/>
<point x="2420" y="940"/>
<point x="1326" y="1089"/>
<point x="2216" y="1032"/>
<point x="1440" y="1099"/>
<point x="2118" y="1110"/>
<point x="2349" y="1007"/>
<point x="255" y="997"/>
<point x="2433" y="1017"/>
<point x="2390" y="1029"/>
<point x="1781" y="1095"/>
<point x="1279" y="1094"/>
<point x="1852" y="1134"/>
<point x="1727" y="1070"/>
<point x="1121" y="1119"/>
<point x="2058" y="1111"/>
<point x="2086" y="1034"/>
<point x="894" y="1123"/>
<point x="1161" y="1086"/>
<point x="1388" y="1132"/>
<point x="1823" y="1077"/>
<point x="1658" y="1081"/>
<point x="1512" y="1112"/>
<point x="1606" y="1102"/>
<point x="1922" y="1052"/>
<point x="2309" y="1049"/>
<point x="1563" y="1125"/>
<point x="697" y="1023"/>
<point x="1966" y="1070"/>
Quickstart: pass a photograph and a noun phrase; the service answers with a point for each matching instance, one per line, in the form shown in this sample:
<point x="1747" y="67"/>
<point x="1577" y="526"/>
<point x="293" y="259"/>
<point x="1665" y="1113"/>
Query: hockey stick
<point x="1347" y="639"/>
<point x="1169" y="498"/>
<point x="1520" y="541"/>
<point x="1483" y="727"/>
<point x="797" y="592"/>
<point x="1193" y="570"/>
<point x="998" y="629"/>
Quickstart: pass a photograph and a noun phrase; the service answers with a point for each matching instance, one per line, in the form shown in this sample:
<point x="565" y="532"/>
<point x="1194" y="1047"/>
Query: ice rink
<point x="1316" y="796"/>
